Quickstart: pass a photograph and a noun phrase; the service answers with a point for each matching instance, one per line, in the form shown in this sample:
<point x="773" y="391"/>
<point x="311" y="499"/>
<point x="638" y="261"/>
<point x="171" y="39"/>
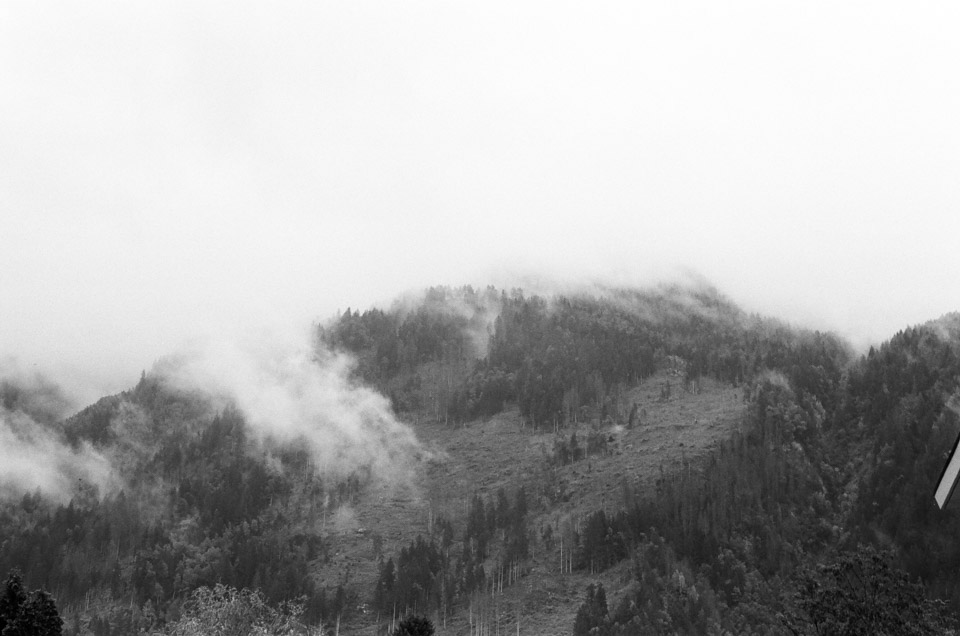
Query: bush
<point x="414" y="625"/>
<point x="226" y="611"/>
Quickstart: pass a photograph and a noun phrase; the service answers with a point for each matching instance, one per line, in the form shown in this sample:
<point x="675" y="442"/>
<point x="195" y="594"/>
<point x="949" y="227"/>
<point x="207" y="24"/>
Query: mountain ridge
<point x="729" y="430"/>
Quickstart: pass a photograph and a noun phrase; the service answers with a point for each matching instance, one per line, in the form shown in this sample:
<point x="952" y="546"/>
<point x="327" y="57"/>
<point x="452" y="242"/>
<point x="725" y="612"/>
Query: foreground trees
<point x="861" y="594"/>
<point x="226" y="611"/>
<point x="27" y="615"/>
<point x="414" y="626"/>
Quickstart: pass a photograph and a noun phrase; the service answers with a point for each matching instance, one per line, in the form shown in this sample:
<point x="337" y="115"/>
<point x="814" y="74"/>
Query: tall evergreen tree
<point x="592" y="615"/>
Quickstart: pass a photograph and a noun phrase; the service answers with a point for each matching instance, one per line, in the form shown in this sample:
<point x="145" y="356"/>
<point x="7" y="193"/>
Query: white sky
<point x="172" y="169"/>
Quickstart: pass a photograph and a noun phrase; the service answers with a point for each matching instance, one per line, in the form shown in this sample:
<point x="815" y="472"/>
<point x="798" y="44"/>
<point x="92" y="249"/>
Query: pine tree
<point x="592" y="615"/>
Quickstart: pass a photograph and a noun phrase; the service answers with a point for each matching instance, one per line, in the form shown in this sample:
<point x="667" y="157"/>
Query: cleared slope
<point x="498" y="452"/>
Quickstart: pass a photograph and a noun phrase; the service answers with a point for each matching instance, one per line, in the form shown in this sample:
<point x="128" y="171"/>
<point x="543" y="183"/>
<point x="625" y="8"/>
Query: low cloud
<point x="34" y="458"/>
<point x="477" y="307"/>
<point x="290" y="392"/>
<point x="32" y="393"/>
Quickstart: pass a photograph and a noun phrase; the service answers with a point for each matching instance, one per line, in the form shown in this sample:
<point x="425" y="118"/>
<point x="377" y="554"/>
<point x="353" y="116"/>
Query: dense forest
<point x="815" y="511"/>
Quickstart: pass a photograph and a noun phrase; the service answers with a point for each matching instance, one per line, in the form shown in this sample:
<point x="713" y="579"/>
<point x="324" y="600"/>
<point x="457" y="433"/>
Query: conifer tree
<point x="592" y="615"/>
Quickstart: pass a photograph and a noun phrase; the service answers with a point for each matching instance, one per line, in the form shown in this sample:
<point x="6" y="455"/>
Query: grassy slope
<point x="489" y="454"/>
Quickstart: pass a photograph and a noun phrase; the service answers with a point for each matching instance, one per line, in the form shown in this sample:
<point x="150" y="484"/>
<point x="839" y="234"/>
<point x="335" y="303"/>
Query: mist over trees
<point x="554" y="356"/>
<point x="770" y="531"/>
<point x="201" y="509"/>
<point x="785" y="490"/>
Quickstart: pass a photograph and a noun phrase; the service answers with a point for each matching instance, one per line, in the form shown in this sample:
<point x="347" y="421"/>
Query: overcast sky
<point x="172" y="169"/>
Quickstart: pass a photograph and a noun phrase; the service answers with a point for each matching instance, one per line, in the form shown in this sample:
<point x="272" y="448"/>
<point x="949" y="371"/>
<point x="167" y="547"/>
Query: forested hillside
<point x="199" y="507"/>
<point x="622" y="461"/>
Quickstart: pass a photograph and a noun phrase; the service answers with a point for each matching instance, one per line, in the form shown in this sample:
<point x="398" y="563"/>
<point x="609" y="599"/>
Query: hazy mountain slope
<point x="901" y="407"/>
<point x="574" y="359"/>
<point x="690" y="457"/>
<point x="483" y="457"/>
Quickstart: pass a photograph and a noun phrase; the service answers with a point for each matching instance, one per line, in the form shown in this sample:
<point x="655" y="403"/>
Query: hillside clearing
<point x="498" y="452"/>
